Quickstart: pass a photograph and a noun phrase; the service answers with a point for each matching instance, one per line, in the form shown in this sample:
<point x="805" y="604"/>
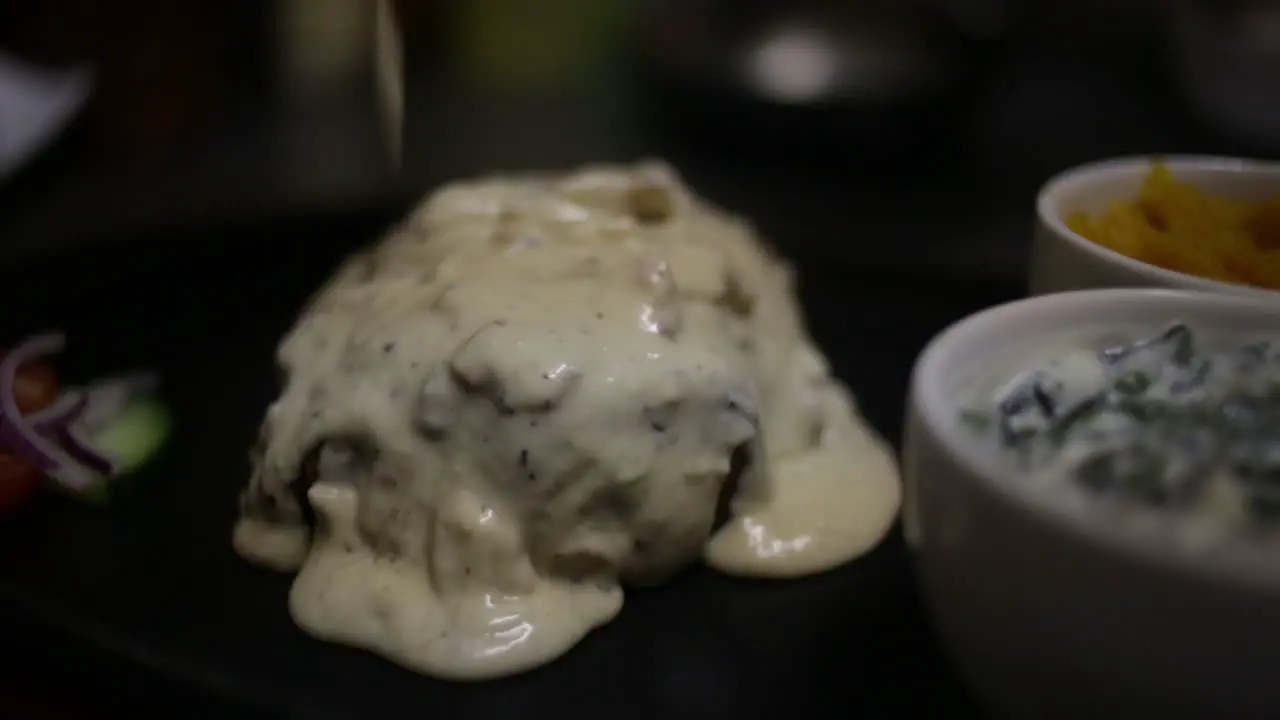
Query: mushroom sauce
<point x="535" y="389"/>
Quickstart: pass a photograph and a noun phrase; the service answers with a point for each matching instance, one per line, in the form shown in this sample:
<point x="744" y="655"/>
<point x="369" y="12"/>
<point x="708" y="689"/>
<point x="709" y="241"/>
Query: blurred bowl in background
<point x="1062" y="259"/>
<point x="868" y="75"/>
<point x="1225" y="62"/>
<point x="36" y="106"/>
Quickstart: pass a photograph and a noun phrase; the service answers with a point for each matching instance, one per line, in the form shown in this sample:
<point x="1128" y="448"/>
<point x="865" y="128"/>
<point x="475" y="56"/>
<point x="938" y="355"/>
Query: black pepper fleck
<point x="503" y="407"/>
<point x="388" y="347"/>
<point x="524" y="457"/>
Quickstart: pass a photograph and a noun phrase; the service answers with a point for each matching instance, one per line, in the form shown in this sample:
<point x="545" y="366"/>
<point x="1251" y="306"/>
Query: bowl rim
<point x="1049" y="200"/>
<point x="1236" y="562"/>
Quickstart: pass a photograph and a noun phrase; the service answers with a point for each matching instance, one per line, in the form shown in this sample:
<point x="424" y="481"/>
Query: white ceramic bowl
<point x="1048" y="609"/>
<point x="1062" y="260"/>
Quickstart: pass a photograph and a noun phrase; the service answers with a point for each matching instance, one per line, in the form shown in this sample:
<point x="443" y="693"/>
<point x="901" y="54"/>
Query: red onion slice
<point x="19" y="434"/>
<point x="82" y="451"/>
<point x="64" y="411"/>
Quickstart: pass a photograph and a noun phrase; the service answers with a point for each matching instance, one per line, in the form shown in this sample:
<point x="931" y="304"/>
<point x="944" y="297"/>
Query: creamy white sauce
<point x="531" y="392"/>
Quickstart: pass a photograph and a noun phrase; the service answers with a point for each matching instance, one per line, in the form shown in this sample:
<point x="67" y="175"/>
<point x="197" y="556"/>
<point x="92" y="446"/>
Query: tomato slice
<point x="35" y="387"/>
<point x="18" y="480"/>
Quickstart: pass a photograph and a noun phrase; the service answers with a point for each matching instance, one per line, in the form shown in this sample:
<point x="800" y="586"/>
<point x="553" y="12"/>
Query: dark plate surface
<point x="149" y="600"/>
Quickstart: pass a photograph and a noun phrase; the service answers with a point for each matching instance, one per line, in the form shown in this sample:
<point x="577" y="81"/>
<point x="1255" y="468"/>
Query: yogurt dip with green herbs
<point x="1162" y="423"/>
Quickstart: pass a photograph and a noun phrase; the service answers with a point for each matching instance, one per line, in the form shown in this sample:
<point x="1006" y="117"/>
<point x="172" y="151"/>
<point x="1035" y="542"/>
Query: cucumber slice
<point x="132" y="439"/>
<point x="135" y="435"/>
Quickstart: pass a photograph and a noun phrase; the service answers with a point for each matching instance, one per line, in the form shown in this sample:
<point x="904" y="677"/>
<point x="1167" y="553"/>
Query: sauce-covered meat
<point x="533" y="390"/>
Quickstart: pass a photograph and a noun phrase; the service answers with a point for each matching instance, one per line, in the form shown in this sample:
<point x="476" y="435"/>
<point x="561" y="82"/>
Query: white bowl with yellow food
<point x="1192" y="222"/>
<point x="1088" y="500"/>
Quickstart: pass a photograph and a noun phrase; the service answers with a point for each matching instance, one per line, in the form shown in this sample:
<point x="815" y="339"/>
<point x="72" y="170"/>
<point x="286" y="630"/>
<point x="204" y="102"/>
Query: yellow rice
<point x="1175" y="225"/>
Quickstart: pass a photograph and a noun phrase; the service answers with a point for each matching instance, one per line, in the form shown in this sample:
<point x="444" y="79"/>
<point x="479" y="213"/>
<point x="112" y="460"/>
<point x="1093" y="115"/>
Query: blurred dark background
<point x="898" y="134"/>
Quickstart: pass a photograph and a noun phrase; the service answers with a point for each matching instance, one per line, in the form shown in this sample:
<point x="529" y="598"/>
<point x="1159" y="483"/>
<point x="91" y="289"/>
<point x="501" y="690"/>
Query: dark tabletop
<point x="147" y="600"/>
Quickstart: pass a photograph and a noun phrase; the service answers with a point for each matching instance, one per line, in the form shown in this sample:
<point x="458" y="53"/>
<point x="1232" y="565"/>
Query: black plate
<point x="149" y="600"/>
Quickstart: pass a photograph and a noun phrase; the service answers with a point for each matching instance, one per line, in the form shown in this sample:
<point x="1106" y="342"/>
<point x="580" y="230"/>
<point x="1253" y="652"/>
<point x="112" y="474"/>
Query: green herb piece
<point x="1134" y="382"/>
<point x="976" y="419"/>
